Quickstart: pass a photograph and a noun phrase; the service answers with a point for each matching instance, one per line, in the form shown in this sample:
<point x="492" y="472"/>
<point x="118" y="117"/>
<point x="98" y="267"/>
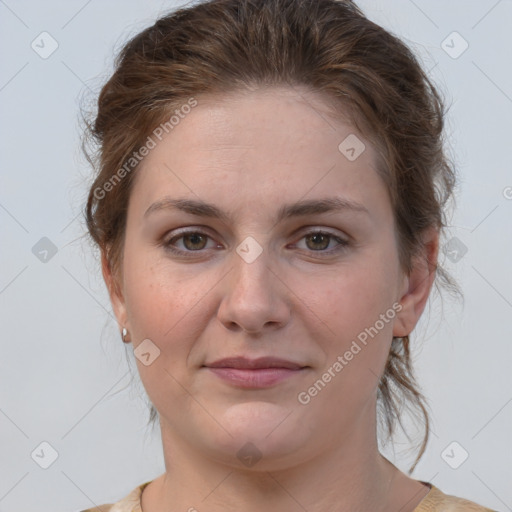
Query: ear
<point x="417" y="284"/>
<point x="114" y="291"/>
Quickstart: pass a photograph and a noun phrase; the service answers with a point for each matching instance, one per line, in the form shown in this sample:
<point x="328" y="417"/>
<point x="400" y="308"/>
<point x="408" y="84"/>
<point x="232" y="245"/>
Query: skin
<point x="249" y="153"/>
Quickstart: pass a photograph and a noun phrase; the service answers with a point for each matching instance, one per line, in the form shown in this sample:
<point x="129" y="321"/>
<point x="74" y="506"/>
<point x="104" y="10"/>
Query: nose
<point x="254" y="299"/>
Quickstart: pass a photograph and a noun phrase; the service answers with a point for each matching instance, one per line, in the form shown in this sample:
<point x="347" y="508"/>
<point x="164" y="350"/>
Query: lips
<point x="254" y="364"/>
<point x="264" y="372"/>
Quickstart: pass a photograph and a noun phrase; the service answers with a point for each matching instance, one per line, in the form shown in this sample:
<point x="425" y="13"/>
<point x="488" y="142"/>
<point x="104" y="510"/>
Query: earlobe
<point x="417" y="285"/>
<point x="114" y="291"/>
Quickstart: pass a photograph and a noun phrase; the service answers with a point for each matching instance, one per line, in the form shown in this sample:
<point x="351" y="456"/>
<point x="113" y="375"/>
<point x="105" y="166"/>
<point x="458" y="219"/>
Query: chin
<point x="264" y="436"/>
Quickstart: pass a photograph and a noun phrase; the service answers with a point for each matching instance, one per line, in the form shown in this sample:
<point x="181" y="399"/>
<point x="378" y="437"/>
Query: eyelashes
<point x="186" y="235"/>
<point x="194" y="243"/>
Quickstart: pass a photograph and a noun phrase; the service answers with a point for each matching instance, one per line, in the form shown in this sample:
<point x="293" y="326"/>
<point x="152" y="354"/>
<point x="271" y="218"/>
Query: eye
<point x="318" y="241"/>
<point x="192" y="241"/>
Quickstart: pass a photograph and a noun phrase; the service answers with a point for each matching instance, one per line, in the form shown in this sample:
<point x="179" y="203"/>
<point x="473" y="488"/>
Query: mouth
<point x="244" y="363"/>
<point x="255" y="373"/>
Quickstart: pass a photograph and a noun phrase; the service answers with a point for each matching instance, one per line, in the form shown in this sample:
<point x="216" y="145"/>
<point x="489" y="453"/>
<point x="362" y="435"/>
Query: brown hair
<point x="327" y="46"/>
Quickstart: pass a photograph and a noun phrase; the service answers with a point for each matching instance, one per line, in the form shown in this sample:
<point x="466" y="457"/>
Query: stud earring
<point x="123" y="335"/>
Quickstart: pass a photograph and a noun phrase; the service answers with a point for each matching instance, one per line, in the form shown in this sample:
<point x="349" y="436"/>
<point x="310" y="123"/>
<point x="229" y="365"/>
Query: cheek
<point x="354" y="297"/>
<point x="356" y="303"/>
<point x="165" y="305"/>
<point x="154" y="298"/>
<point x="351" y="304"/>
<point x="164" y="310"/>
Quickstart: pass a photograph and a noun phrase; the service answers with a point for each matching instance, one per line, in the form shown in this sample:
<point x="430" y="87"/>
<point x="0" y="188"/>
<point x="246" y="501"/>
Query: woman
<point x="268" y="206"/>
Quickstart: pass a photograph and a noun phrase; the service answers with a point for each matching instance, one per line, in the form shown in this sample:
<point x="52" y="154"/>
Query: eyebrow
<point x="287" y="211"/>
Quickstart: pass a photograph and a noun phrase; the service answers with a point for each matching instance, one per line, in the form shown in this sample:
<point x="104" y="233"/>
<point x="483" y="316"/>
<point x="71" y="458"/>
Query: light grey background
<point x="65" y="379"/>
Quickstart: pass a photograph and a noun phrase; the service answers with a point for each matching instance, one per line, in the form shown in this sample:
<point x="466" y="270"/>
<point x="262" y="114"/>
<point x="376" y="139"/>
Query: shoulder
<point x="130" y="503"/>
<point x="438" y="501"/>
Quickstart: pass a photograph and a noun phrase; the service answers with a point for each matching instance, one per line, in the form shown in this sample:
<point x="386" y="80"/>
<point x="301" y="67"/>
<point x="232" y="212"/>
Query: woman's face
<point x="319" y="286"/>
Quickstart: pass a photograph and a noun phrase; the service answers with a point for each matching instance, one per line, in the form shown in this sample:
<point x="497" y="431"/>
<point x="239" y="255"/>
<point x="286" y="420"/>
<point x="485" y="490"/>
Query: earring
<point x="123" y="335"/>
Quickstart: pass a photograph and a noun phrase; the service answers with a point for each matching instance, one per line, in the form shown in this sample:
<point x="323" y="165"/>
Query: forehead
<point x="275" y="143"/>
<point x="274" y="115"/>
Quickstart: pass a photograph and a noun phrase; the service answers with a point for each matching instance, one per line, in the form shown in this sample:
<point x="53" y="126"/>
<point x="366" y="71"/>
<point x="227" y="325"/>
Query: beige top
<point x="434" y="501"/>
